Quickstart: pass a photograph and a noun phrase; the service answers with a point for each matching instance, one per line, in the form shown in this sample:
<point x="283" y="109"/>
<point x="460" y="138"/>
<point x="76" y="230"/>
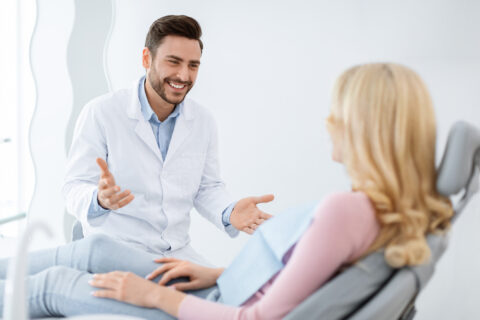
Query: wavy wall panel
<point x="67" y="63"/>
<point x="53" y="108"/>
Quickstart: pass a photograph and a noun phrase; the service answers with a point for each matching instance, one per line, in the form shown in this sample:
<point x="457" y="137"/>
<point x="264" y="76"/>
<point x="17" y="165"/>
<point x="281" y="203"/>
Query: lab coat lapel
<point x="144" y="131"/>
<point x="180" y="133"/>
<point x="142" y="128"/>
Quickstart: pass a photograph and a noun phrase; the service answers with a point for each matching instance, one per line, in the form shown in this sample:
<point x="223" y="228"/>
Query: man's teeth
<point x="177" y="86"/>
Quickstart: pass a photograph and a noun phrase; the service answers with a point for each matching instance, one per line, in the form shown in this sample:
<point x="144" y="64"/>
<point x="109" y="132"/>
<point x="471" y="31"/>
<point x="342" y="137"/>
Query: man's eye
<point x="173" y="61"/>
<point x="194" y="66"/>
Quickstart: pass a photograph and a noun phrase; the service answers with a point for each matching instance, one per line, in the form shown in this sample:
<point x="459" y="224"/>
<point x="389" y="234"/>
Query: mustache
<point x="187" y="83"/>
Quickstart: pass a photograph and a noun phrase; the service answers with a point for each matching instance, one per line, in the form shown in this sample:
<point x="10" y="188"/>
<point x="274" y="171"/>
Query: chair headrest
<point x="459" y="158"/>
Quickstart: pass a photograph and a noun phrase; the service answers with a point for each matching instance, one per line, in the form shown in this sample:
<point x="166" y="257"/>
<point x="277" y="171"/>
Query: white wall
<point x="267" y="71"/>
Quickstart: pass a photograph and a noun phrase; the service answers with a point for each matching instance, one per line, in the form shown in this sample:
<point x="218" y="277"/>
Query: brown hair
<point x="178" y="25"/>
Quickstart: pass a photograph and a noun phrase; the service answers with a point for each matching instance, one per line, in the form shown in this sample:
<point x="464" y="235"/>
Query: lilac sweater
<point x="343" y="228"/>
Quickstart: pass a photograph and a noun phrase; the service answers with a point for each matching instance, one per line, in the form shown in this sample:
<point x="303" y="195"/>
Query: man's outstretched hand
<point x="246" y="216"/>
<point x="109" y="195"/>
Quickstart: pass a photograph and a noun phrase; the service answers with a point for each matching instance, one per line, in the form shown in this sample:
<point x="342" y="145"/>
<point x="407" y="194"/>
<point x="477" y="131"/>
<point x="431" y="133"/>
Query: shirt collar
<point x="147" y="110"/>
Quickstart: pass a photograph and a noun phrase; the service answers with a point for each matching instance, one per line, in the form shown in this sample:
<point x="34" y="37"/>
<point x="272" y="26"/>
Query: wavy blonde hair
<point x="385" y="114"/>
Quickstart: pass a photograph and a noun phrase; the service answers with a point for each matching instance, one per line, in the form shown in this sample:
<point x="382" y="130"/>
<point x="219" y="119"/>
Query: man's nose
<point x="182" y="74"/>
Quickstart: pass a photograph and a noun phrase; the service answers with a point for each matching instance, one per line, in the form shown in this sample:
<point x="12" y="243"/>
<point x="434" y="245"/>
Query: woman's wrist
<point x="168" y="299"/>
<point x="157" y="295"/>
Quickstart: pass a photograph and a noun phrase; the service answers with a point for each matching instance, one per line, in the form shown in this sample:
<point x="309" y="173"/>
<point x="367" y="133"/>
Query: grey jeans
<point x="58" y="278"/>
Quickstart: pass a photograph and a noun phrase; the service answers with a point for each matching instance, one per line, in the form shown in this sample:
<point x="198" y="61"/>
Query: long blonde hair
<point x="387" y="120"/>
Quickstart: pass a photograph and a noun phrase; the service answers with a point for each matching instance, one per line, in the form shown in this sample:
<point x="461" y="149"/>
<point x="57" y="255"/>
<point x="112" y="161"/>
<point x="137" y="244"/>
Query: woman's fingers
<point x="160" y="270"/>
<point x="171" y="274"/>
<point x="183" y="286"/>
<point x="104" y="294"/>
<point x="104" y="281"/>
<point x="166" y="259"/>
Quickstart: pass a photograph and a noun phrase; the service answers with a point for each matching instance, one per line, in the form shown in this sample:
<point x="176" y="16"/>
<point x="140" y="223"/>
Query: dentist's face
<point x="173" y="70"/>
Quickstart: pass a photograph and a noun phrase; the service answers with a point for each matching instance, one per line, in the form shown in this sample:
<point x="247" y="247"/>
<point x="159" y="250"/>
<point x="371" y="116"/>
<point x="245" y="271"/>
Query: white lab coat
<point x="112" y="127"/>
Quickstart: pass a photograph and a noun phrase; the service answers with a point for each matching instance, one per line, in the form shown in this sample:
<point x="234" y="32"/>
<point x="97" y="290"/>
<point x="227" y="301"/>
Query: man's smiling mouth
<point x="176" y="85"/>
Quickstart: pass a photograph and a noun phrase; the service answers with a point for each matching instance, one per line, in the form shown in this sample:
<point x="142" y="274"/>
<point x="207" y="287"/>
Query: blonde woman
<point x="383" y="130"/>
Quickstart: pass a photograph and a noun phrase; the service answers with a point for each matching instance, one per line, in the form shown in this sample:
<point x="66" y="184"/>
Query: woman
<point x="383" y="130"/>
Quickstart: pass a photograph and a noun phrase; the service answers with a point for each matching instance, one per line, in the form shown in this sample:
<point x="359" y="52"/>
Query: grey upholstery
<point x="384" y="293"/>
<point x="396" y="298"/>
<point x="387" y="291"/>
<point x="457" y="164"/>
<point x="346" y="292"/>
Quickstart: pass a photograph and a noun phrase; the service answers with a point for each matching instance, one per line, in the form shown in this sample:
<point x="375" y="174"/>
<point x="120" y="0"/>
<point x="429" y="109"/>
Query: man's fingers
<point x="248" y="230"/>
<point x="109" y="191"/>
<point x="102" y="184"/>
<point x="263" y="199"/>
<point x="122" y="203"/>
<point x="107" y="182"/>
<point x="120" y="199"/>
<point x="114" y="199"/>
<point x="259" y="221"/>
<point x="117" y="200"/>
<point x="264" y="215"/>
<point x="103" y="166"/>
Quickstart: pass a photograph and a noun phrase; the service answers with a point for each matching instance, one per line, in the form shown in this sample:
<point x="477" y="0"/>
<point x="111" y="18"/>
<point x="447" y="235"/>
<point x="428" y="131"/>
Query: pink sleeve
<point x="343" y="228"/>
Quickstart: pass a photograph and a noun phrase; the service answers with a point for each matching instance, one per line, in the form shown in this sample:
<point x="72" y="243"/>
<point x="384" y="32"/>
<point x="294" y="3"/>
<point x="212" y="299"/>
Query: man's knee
<point x="97" y="241"/>
<point x="59" y="279"/>
<point x="57" y="270"/>
<point x="56" y="273"/>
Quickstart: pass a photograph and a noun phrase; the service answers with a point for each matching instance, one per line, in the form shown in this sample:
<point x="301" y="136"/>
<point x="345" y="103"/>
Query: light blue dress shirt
<point x="163" y="131"/>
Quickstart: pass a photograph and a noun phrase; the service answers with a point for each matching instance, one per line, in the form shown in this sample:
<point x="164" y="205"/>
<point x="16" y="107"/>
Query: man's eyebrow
<point x="171" y="56"/>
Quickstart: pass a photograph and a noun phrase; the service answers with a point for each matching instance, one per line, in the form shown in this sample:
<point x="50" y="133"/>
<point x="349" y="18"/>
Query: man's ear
<point x="146" y="58"/>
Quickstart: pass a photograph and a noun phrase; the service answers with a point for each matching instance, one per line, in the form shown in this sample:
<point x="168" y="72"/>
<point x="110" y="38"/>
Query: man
<point x="158" y="145"/>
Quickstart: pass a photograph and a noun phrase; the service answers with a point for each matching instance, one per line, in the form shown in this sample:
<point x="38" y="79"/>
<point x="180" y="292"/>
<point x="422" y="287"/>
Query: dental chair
<point x="371" y="289"/>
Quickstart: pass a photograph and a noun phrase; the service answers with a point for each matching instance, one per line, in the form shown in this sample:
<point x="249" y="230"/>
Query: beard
<point x="159" y="85"/>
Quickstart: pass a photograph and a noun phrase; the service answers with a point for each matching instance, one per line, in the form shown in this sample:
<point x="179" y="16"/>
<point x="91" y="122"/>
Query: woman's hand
<point x="126" y="287"/>
<point x="200" y="277"/>
<point x="130" y="288"/>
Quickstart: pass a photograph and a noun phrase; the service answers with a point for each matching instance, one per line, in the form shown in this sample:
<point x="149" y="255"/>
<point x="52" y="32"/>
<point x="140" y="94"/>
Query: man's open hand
<point x="246" y="216"/>
<point x="109" y="195"/>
